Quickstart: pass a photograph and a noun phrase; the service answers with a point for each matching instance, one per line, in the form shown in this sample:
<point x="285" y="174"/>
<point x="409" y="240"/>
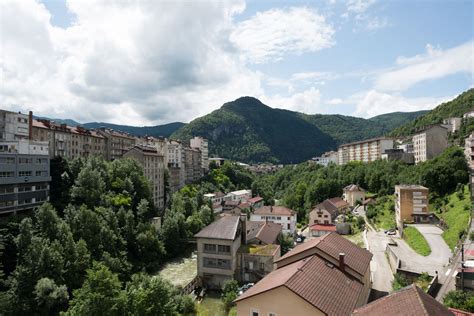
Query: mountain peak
<point x="245" y="102"/>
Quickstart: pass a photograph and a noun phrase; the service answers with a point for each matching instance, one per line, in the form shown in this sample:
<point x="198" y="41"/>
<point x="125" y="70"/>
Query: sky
<point x="148" y="62"/>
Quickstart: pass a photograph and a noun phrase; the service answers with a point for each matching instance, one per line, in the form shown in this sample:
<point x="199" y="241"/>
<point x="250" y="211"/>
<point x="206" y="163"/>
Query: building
<point x="216" y="197"/>
<point x="201" y="144"/>
<point x="256" y="202"/>
<point x="24" y="175"/>
<point x="328" y="275"/>
<point x="14" y="126"/>
<point x="453" y="124"/>
<point x="365" y="151"/>
<point x="468" y="114"/>
<point x="262" y="233"/>
<point x="411" y="205"/>
<point x="256" y="261"/>
<point x="69" y="141"/>
<point x="240" y="196"/>
<point x="118" y="143"/>
<point x="218" y="161"/>
<point x="407" y="147"/>
<point x="326" y="158"/>
<point x="408" y="301"/>
<point x="192" y="165"/>
<point x="276" y="214"/>
<point x="217" y="246"/>
<point x="399" y="154"/>
<point x="153" y="168"/>
<point x="430" y="142"/>
<point x="176" y="161"/>
<point x="353" y="193"/>
<point x="322" y="219"/>
<point x="469" y="150"/>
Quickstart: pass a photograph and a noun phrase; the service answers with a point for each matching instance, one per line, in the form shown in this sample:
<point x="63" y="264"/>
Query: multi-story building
<point x="399" y="154"/>
<point x="469" y="150"/>
<point x="411" y="205"/>
<point x="201" y="144"/>
<point x="407" y="147"/>
<point x="430" y="142"/>
<point x="192" y="165"/>
<point x="239" y="196"/>
<point x="326" y="158"/>
<point x="217" y="246"/>
<point x="366" y="150"/>
<point x="154" y="170"/>
<point x="276" y="214"/>
<point x="24" y="175"/>
<point x="353" y="194"/>
<point x="118" y="143"/>
<point x="69" y="141"/>
<point x="14" y="126"/>
<point x="453" y="124"/>
<point x="176" y="164"/>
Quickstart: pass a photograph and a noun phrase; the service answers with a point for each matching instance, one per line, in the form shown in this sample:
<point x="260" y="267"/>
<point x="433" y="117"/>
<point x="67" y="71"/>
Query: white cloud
<point x="359" y="6"/>
<point x="308" y="101"/>
<point x="311" y="76"/>
<point x="335" y="101"/>
<point x="435" y="64"/>
<point x="376" y="23"/>
<point x="272" y="34"/>
<point x="373" y="102"/>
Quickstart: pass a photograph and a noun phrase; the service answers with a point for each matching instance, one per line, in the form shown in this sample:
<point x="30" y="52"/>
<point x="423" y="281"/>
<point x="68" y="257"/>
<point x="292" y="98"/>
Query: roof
<point x="321" y="284"/>
<point x="51" y="125"/>
<point x="411" y="186"/>
<point x="333" y="244"/>
<point x="365" y="141"/>
<point x="255" y="199"/>
<point x="219" y="194"/>
<point x="353" y="188"/>
<point x="223" y="228"/>
<point x="274" y="210"/>
<point x="458" y="312"/>
<point x="328" y="206"/>
<point x="260" y="250"/>
<point x="410" y="300"/>
<point x="243" y="205"/>
<point x="240" y="192"/>
<point x="338" y="202"/>
<point x="326" y="228"/>
<point x="266" y="232"/>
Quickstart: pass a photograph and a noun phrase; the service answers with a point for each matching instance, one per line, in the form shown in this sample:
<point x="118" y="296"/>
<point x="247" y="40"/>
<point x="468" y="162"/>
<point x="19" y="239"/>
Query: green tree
<point x="229" y="293"/>
<point x="50" y="297"/>
<point x="462" y="300"/>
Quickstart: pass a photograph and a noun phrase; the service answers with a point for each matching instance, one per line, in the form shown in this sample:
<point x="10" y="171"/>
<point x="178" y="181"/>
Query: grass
<point x="416" y="241"/>
<point x="385" y="216"/>
<point x="356" y="239"/>
<point x="456" y="215"/>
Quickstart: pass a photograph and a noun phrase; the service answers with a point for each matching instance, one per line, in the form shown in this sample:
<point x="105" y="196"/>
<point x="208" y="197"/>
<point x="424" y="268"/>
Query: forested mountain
<point x="250" y="131"/>
<point x="164" y="130"/>
<point x="396" y="119"/>
<point x="454" y="108"/>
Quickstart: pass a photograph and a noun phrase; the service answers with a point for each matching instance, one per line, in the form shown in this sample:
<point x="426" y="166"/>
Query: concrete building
<point x="411" y="205"/>
<point x="365" y="151"/>
<point x="453" y="124"/>
<point x="430" y="142"/>
<point x="239" y="196"/>
<point x="399" y="154"/>
<point x="276" y="214"/>
<point x="218" y="161"/>
<point x="407" y="147"/>
<point x="327" y="275"/>
<point x="217" y="246"/>
<point x="326" y="158"/>
<point x="192" y="165"/>
<point x="468" y="114"/>
<point x="69" y="141"/>
<point x="14" y="126"/>
<point x="256" y="261"/>
<point x="118" y="143"/>
<point x="469" y="150"/>
<point x="24" y="175"/>
<point x="353" y="193"/>
<point x="203" y="146"/>
<point x="154" y="169"/>
<point x="176" y="163"/>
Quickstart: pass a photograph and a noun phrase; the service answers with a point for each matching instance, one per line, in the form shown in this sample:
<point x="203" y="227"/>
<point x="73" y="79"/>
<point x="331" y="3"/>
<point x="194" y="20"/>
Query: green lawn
<point x="384" y="213"/>
<point x="456" y="215"/>
<point x="416" y="241"/>
<point x="357" y="239"/>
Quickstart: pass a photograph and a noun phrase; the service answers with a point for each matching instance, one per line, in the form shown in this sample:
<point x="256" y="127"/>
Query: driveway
<point x="440" y="252"/>
<point x="382" y="275"/>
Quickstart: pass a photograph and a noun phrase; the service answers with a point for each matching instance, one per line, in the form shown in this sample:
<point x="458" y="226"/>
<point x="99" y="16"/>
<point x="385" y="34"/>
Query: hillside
<point x="250" y="131"/>
<point x="454" y="108"/>
<point x="164" y="130"/>
<point x="396" y="119"/>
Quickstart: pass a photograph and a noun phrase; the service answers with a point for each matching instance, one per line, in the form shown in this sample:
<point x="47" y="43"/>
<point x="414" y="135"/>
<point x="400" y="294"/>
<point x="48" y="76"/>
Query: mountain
<point x="454" y="108"/>
<point x="164" y="130"/>
<point x="396" y="119"/>
<point x="248" y="130"/>
<point x="59" y="121"/>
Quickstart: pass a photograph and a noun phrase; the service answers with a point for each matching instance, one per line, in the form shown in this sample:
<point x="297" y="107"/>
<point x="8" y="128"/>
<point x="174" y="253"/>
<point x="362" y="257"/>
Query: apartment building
<point x="176" y="164"/>
<point x="469" y="150"/>
<point x="193" y="165"/>
<point x="411" y="204"/>
<point x="154" y="169"/>
<point x="217" y="246"/>
<point x="117" y="143"/>
<point x="24" y="175"/>
<point x="203" y="146"/>
<point x="69" y="141"/>
<point x="326" y="158"/>
<point x="430" y="142"/>
<point x="276" y="214"/>
<point x="365" y="151"/>
<point x="14" y="126"/>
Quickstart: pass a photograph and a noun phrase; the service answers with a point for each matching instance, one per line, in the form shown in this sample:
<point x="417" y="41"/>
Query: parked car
<point x="245" y="287"/>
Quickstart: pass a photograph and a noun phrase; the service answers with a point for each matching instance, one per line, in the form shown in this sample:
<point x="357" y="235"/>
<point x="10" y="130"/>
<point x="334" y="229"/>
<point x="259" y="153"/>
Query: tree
<point x="460" y="299"/>
<point x="50" y="297"/>
<point x="286" y="243"/>
<point x="230" y="291"/>
<point x="399" y="281"/>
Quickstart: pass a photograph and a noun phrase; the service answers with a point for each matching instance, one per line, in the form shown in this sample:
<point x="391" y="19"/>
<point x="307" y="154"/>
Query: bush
<point x="229" y="293"/>
<point x="399" y="281"/>
<point x="184" y="304"/>
<point x="460" y="300"/>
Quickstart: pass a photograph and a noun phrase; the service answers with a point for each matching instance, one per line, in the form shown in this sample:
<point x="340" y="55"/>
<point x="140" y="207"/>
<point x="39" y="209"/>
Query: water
<point x="180" y="272"/>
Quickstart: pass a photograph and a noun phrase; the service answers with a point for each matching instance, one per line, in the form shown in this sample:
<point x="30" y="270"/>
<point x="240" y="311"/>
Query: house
<point x="217" y="208"/>
<point x="240" y="196"/>
<point x="325" y="159"/>
<point x="217" y="246"/>
<point x="216" y="197"/>
<point x="411" y="205"/>
<point x="324" y="213"/>
<point x="341" y="205"/>
<point x="353" y="193"/>
<point x="430" y="142"/>
<point x="256" y="261"/>
<point x="408" y="301"/>
<point x="317" y="230"/>
<point x="229" y="205"/>
<point x="262" y="233"/>
<point x="328" y="275"/>
<point x="276" y="214"/>
<point x="256" y="202"/>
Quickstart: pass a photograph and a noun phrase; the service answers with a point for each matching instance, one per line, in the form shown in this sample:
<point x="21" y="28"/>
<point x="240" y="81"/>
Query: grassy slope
<point x="385" y="218"/>
<point x="456" y="216"/>
<point x="416" y="241"/>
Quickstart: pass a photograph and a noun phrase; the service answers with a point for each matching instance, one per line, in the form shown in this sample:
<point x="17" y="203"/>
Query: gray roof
<point x="224" y="228"/>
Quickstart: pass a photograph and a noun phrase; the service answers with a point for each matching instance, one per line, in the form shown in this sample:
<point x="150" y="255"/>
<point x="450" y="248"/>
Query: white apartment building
<point x="469" y="150"/>
<point x="276" y="214"/>
<point x="176" y="161"/>
<point x="365" y="151"/>
<point x="154" y="170"/>
<point x="239" y="196"/>
<point x="326" y="158"/>
<point x="201" y="144"/>
<point x="14" y="126"/>
<point x="453" y="124"/>
<point x="430" y="142"/>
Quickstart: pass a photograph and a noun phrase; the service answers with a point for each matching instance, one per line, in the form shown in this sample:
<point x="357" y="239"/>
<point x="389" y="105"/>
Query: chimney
<point x="30" y="125"/>
<point x="341" y="261"/>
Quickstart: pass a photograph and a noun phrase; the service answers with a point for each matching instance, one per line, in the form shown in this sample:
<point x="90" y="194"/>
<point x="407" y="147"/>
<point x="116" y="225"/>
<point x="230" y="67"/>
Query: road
<point x="382" y="275"/>
<point x="440" y="252"/>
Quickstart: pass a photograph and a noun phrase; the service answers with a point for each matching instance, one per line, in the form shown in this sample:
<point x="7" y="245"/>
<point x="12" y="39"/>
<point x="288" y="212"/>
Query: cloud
<point x="373" y="102"/>
<point x="272" y="34"/>
<point x="434" y="64"/>
<point x="359" y="6"/>
<point x="308" y="101"/>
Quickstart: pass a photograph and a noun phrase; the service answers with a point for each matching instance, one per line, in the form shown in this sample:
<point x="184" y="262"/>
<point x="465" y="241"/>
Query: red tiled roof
<point x="269" y="232"/>
<point x="255" y="199"/>
<point x="327" y="228"/>
<point x="409" y="301"/>
<point x="328" y="206"/>
<point x="316" y="281"/>
<point x="338" y="202"/>
<point x="458" y="312"/>
<point x="274" y="210"/>
<point x="333" y="244"/>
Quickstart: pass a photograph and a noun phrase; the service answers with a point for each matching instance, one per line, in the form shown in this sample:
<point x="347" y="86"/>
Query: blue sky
<point x="152" y="62"/>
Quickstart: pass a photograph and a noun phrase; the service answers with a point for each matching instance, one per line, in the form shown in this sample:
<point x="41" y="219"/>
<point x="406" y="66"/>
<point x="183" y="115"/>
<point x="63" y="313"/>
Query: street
<point x="382" y="275"/>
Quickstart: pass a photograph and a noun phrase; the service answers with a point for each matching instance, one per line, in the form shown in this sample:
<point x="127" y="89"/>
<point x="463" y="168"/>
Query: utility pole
<point x="462" y="266"/>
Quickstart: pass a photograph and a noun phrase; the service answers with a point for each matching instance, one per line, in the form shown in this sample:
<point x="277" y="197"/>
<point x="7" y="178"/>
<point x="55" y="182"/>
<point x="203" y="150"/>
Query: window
<point x="4" y="190"/>
<point x="24" y="189"/>
<point x="41" y="173"/>
<point x="6" y="203"/>
<point x="272" y="314"/>
<point x="224" y="249"/>
<point x="209" y="248"/>
<point x="7" y="160"/>
<point x="254" y="313"/>
<point x="288" y="226"/>
<point x="6" y="174"/>
<point x="24" y="174"/>
<point x="278" y="218"/>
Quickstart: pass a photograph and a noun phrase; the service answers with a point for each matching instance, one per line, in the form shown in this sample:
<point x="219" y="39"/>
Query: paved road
<point x="382" y="275"/>
<point x="440" y="252"/>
